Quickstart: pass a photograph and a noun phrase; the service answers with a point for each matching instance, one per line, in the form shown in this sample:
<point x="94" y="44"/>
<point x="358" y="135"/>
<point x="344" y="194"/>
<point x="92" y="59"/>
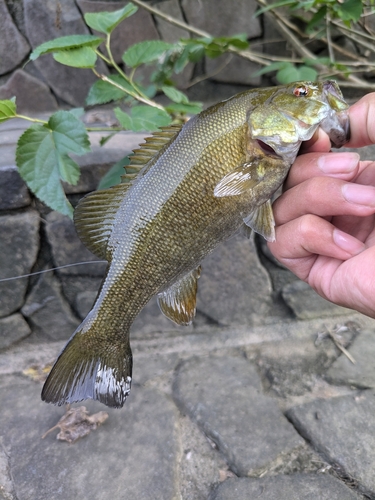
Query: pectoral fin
<point x="261" y="221"/>
<point x="178" y="303"/>
<point x="238" y="181"/>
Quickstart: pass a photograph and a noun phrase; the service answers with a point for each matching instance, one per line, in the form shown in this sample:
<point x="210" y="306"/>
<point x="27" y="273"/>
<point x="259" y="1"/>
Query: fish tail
<point x="91" y="368"/>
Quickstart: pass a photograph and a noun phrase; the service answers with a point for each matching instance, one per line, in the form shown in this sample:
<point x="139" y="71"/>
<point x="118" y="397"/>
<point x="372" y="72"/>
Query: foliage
<point x="43" y="150"/>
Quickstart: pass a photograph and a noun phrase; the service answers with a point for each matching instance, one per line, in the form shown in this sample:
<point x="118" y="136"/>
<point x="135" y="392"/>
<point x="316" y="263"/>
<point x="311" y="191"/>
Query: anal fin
<point x="178" y="302"/>
<point x="261" y="221"/>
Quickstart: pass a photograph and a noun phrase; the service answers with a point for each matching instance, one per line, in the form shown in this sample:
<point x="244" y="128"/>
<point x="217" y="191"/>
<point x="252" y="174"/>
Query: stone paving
<point x="255" y="400"/>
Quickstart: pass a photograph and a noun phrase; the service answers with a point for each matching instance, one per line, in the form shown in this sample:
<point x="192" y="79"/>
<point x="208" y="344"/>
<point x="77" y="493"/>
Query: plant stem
<point x="35" y="120"/>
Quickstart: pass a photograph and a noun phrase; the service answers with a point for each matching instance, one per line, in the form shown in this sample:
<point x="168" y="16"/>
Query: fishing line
<point x="53" y="269"/>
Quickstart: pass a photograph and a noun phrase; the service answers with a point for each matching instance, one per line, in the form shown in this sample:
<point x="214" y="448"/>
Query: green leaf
<point x="307" y="73"/>
<point x="191" y="108"/>
<point x="102" y="91"/>
<point x="316" y="18"/>
<point x="143" y="118"/>
<point x="83" y="57"/>
<point x="145" y="52"/>
<point x="106" y="22"/>
<point x="271" y="67"/>
<point x="287" y="74"/>
<point x="7" y="110"/>
<point x="350" y="10"/>
<point x="113" y="176"/>
<point x="65" y="43"/>
<point x="174" y="94"/>
<point x="77" y="112"/>
<point x="43" y="161"/>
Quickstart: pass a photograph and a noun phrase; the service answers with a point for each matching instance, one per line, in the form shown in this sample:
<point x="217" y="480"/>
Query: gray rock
<point x="32" y="95"/>
<point x="13" y="190"/>
<point x="293" y="487"/>
<point x="362" y="373"/>
<point x="234" y="288"/>
<point x="6" y="484"/>
<point x="343" y="430"/>
<point x="48" y="312"/>
<point x="67" y="248"/>
<point x="230" y="68"/>
<point x="80" y="291"/>
<point x="150" y="367"/>
<point x="12" y="329"/>
<point x="291" y="366"/>
<point x="19" y="244"/>
<point x="219" y="18"/>
<point x="307" y="304"/>
<point x="13" y="46"/>
<point x="222" y="394"/>
<point x="46" y="21"/>
<point x="132" y="455"/>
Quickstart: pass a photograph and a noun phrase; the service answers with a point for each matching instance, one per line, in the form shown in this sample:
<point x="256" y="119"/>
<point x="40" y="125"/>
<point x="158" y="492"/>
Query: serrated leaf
<point x="77" y="112"/>
<point x="113" y="176"/>
<point x="102" y="91"/>
<point x="143" y="118"/>
<point x="174" y="94"/>
<point x="7" y="109"/>
<point x="271" y="67"/>
<point x="43" y="161"/>
<point x="106" y="22"/>
<point x="83" y="57"/>
<point x="145" y="52"/>
<point x="65" y="43"/>
<point x="191" y="108"/>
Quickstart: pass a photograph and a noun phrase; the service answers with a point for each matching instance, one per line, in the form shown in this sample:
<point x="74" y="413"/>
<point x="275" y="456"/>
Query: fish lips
<point x="337" y="126"/>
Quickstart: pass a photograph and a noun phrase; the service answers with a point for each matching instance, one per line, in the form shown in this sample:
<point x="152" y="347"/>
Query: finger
<point x="319" y="142"/>
<point x="362" y="122"/>
<point x="326" y="197"/>
<point x="300" y="241"/>
<point x="341" y="165"/>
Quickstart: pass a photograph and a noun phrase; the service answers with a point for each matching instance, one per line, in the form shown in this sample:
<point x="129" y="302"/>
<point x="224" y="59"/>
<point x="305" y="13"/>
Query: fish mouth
<point x="266" y="148"/>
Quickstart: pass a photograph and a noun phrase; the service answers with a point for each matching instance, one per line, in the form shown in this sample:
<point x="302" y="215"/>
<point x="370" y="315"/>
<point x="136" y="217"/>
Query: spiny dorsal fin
<point x="94" y="217"/>
<point x="153" y="146"/>
<point x="178" y="303"/>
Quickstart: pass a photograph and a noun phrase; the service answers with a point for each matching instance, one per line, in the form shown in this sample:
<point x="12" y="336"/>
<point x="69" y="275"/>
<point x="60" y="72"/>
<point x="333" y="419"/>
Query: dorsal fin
<point x="154" y="146"/>
<point x="95" y="213"/>
<point x="94" y="217"/>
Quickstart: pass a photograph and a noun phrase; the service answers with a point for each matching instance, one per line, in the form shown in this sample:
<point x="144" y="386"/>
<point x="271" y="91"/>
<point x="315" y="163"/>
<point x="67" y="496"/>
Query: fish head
<point x="293" y="113"/>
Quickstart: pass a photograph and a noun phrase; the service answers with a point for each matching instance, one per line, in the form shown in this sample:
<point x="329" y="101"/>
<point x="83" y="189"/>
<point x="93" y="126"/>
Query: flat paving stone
<point x="362" y="372"/>
<point x="343" y="430"/>
<point x="293" y="487"/>
<point x="12" y="329"/>
<point x="223" y="395"/>
<point x="132" y="455"/>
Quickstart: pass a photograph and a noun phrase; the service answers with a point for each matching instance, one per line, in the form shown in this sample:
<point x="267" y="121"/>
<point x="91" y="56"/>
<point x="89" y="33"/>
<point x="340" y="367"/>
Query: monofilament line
<point x="53" y="269"/>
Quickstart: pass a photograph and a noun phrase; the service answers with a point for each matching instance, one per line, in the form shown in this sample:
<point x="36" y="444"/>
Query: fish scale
<point x="196" y="185"/>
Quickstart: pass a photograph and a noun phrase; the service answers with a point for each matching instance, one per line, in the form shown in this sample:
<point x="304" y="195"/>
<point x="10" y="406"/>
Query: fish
<point x="187" y="189"/>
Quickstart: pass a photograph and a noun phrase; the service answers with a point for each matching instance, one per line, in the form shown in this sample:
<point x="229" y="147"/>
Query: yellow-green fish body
<point x="197" y="185"/>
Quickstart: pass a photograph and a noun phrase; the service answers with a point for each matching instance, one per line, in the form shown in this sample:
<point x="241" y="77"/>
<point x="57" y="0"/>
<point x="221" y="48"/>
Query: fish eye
<point x="300" y="91"/>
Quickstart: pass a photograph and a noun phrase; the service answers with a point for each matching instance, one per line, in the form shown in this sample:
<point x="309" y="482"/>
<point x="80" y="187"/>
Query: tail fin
<point x="86" y="370"/>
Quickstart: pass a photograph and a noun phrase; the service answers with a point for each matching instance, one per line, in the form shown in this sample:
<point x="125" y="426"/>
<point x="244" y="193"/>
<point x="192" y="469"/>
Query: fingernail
<point x="359" y="194"/>
<point x="338" y="163"/>
<point x="347" y="242"/>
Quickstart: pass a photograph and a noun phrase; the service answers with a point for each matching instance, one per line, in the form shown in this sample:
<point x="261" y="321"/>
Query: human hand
<point x="325" y="222"/>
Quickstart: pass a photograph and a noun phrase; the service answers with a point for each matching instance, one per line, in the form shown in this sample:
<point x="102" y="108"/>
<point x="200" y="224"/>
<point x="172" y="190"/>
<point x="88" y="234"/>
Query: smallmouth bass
<point x="190" y="188"/>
